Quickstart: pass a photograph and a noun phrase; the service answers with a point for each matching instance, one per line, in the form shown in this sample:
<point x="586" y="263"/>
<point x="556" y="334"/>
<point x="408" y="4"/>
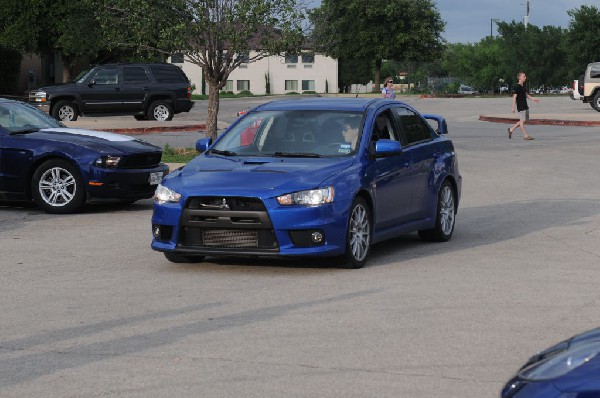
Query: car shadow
<point x="476" y="226"/>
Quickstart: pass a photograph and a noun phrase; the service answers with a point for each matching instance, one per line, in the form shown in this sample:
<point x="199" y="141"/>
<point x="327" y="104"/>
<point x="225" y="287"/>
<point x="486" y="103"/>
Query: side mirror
<point x="203" y="144"/>
<point x="438" y="123"/>
<point x="384" y="148"/>
<point x="92" y="83"/>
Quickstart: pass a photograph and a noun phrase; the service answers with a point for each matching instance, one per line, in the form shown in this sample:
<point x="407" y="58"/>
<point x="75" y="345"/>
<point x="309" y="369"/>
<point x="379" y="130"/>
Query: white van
<point x="466" y="90"/>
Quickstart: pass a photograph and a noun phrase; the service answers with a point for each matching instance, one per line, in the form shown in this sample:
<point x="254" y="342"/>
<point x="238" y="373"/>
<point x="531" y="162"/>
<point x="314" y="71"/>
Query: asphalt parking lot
<point x="88" y="309"/>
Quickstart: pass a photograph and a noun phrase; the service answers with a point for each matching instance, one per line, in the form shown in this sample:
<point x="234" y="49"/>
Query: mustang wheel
<point x="160" y="110"/>
<point x="57" y="187"/>
<point x="65" y="111"/>
<point x="445" y="216"/>
<point x="180" y="258"/>
<point x="358" y="235"/>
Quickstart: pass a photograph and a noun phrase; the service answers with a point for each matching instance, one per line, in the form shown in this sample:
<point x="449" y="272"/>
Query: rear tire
<point x="180" y="258"/>
<point x="445" y="216"/>
<point x="65" y="111"/>
<point x="160" y="110"/>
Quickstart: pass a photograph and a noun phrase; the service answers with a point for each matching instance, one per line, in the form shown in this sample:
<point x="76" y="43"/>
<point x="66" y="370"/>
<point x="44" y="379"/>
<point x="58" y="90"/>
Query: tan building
<point x="306" y="71"/>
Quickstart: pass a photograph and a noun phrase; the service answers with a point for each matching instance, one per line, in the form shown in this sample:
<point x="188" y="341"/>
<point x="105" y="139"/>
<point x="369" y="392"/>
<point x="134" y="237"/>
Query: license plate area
<point x="155" y="178"/>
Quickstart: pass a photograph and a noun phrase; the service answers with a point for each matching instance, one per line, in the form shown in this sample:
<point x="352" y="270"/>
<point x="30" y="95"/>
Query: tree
<point x="217" y="35"/>
<point x="377" y="30"/>
<point x="583" y="38"/>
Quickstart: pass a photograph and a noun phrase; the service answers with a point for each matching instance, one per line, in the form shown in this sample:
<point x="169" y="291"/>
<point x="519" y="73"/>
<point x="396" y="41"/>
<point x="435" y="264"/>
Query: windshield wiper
<point x="224" y="153"/>
<point x="297" y="155"/>
<point x="27" y="130"/>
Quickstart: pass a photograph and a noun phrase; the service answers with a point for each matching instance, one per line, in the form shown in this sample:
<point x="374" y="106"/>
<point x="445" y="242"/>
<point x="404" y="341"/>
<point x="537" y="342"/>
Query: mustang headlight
<point x="166" y="195"/>
<point x="310" y="197"/>
<point x="561" y="364"/>
<point x="108" y="161"/>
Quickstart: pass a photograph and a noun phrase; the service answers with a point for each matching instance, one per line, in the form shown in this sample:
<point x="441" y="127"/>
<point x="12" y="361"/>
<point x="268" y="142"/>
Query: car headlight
<point x="165" y="195"/>
<point x="108" y="161"/>
<point x="561" y="364"/>
<point x="310" y="197"/>
<point x="39" y="96"/>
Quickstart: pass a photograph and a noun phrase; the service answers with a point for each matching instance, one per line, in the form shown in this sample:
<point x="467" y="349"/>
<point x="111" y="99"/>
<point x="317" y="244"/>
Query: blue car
<point x="61" y="168"/>
<point x="315" y="177"/>
<point x="569" y="369"/>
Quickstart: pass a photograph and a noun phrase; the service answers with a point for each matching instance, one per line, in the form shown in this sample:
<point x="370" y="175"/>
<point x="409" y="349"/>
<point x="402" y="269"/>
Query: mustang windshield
<point x="294" y="134"/>
<point x="18" y="117"/>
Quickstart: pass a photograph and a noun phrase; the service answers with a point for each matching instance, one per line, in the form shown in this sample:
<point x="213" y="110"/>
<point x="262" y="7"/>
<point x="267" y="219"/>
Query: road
<point x="88" y="309"/>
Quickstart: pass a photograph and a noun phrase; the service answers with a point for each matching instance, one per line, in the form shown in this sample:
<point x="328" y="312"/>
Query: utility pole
<point x="492" y="20"/>
<point x="526" y="17"/>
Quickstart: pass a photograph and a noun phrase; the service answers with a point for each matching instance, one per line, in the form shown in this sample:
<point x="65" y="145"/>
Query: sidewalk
<point x="556" y="119"/>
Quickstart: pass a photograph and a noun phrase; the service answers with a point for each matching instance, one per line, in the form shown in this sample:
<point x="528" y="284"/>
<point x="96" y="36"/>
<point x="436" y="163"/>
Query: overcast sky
<point x="469" y="20"/>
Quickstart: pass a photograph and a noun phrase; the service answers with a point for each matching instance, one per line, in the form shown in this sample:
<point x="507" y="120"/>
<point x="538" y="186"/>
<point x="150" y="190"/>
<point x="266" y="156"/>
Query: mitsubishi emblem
<point x="224" y="205"/>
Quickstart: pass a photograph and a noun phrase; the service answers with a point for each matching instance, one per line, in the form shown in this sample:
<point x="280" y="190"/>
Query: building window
<point x="177" y="58"/>
<point x="243" y="85"/>
<point x="308" y="85"/>
<point x="291" y="58"/>
<point x="308" y="58"/>
<point x="228" y="85"/>
<point x="291" y="85"/>
<point x="243" y="57"/>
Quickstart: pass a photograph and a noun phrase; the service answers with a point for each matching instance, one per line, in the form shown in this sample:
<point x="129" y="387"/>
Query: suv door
<point x="136" y="84"/>
<point x="102" y="93"/>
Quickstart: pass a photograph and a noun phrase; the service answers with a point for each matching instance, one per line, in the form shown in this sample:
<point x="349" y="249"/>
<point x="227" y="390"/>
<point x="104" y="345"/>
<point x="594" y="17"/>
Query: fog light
<point x="316" y="237"/>
<point x="156" y="231"/>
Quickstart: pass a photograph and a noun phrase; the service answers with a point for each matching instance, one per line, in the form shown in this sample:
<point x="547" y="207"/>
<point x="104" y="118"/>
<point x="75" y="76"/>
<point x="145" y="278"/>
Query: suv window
<point x="595" y="71"/>
<point x="414" y="128"/>
<point x="168" y="74"/>
<point x="107" y="76"/>
<point x="134" y="74"/>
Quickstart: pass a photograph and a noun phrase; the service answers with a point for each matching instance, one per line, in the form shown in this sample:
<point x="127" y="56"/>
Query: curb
<point x="548" y="122"/>
<point x="161" y="129"/>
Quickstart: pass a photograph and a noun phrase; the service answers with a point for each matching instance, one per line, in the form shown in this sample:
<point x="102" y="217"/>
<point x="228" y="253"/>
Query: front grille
<point x="140" y="160"/>
<point x="230" y="238"/>
<point x="226" y="223"/>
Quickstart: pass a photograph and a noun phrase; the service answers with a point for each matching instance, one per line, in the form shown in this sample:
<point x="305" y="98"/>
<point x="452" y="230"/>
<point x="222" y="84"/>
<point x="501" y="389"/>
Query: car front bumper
<point x="295" y="231"/>
<point x="128" y="184"/>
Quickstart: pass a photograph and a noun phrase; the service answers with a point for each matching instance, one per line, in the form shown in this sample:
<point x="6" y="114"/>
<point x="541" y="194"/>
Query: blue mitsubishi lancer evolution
<point x="312" y="177"/>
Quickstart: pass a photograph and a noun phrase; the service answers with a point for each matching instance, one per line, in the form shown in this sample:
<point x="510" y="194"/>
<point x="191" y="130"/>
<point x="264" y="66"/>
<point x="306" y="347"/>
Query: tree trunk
<point x="213" y="110"/>
<point x="378" y="63"/>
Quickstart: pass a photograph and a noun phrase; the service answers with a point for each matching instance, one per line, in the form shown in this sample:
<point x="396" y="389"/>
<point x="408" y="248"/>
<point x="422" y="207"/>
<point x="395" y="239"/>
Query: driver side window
<point x="107" y="76"/>
<point x="383" y="128"/>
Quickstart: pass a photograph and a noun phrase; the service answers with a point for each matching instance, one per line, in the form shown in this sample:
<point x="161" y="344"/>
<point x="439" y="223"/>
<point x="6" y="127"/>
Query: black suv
<point x="146" y="91"/>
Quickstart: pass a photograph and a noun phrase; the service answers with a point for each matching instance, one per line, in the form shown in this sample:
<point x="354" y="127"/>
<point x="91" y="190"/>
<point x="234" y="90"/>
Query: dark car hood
<point x="261" y="177"/>
<point x="97" y="140"/>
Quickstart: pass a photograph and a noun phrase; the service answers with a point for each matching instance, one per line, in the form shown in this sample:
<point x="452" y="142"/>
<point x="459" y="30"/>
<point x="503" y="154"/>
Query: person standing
<point x="519" y="102"/>
<point x="388" y="89"/>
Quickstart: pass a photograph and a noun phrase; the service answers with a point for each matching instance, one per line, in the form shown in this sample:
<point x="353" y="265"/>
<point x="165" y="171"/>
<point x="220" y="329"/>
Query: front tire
<point x="596" y="101"/>
<point x="180" y="258"/>
<point x="358" y="236"/>
<point x="445" y="216"/>
<point x="160" y="110"/>
<point x="57" y="187"/>
<point x="65" y="111"/>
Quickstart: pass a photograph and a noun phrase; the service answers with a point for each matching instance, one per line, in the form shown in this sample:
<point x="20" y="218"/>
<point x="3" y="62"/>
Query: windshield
<point x="293" y="134"/>
<point x="18" y="117"/>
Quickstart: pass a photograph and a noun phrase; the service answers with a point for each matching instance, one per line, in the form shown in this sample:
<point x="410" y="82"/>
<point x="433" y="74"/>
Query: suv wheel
<point x="596" y="101"/>
<point x="160" y="110"/>
<point x="65" y="111"/>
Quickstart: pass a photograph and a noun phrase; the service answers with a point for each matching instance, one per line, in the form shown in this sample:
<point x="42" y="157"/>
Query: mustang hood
<point x="264" y="177"/>
<point x="98" y="140"/>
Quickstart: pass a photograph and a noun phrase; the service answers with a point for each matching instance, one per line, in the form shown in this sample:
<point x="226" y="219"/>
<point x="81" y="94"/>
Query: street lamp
<point x="492" y="20"/>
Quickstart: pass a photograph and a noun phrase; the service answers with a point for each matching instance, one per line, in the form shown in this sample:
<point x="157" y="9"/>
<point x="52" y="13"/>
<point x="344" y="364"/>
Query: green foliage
<point x="583" y="38"/>
<point x="292" y="93"/>
<point x="354" y="71"/>
<point x="309" y="92"/>
<point x="245" y="93"/>
<point x="378" y="30"/>
<point x="10" y="64"/>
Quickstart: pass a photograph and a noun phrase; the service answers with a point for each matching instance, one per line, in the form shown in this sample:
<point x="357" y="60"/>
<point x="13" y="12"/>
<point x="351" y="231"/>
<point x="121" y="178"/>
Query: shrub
<point x="291" y="93"/>
<point x="245" y="93"/>
<point x="309" y="92"/>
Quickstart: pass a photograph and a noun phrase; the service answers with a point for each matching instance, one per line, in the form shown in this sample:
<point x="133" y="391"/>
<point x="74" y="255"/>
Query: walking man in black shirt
<point x="519" y="103"/>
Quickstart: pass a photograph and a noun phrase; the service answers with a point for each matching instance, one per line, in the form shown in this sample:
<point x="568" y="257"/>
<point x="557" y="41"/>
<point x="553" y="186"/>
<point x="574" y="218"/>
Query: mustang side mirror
<point x="203" y="144"/>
